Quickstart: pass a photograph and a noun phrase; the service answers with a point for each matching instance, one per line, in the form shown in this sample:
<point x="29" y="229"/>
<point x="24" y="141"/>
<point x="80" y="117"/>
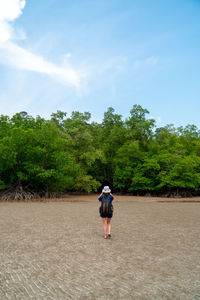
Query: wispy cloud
<point x="14" y="55"/>
<point x="149" y="61"/>
<point x="159" y="120"/>
<point x="9" y="11"/>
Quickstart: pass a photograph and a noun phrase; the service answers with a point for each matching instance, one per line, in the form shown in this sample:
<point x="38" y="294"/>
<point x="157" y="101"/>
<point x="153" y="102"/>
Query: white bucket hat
<point x="106" y="189"/>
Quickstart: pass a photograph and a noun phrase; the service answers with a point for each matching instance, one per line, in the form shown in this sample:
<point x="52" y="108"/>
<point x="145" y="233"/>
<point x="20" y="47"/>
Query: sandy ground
<point x="56" y="250"/>
<point x="93" y="198"/>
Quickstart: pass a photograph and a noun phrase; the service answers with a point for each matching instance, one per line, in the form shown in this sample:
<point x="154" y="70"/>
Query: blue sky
<point x="88" y="55"/>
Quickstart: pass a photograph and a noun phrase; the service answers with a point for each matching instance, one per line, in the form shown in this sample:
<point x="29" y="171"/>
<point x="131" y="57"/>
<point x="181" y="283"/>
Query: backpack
<point x="106" y="207"/>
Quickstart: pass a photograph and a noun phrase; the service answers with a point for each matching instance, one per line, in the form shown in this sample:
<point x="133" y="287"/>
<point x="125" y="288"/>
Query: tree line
<point x="65" y="154"/>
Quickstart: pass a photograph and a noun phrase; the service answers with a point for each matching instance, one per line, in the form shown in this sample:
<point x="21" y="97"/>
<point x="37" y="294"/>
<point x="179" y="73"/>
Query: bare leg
<point x="109" y="225"/>
<point x="104" y="227"/>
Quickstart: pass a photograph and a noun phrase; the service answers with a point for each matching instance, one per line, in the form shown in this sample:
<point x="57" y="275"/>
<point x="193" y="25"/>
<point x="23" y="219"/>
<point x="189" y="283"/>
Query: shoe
<point x="109" y="236"/>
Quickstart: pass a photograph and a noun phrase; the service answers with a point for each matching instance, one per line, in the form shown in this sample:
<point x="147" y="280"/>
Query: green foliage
<point x="139" y="127"/>
<point x="74" y="154"/>
<point x="127" y="158"/>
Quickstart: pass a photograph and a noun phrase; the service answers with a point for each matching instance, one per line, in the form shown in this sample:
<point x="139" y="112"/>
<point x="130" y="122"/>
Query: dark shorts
<point x="106" y="216"/>
<point x="102" y="215"/>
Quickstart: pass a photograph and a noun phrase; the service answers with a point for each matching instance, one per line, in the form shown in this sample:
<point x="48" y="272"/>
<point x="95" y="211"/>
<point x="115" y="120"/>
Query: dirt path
<point x="56" y="250"/>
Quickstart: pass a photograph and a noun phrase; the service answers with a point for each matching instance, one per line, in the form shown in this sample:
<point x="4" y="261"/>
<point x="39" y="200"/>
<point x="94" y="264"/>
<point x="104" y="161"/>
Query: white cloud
<point x="9" y="11"/>
<point x="67" y="55"/>
<point x="14" y="55"/>
<point x="149" y="61"/>
<point x="25" y="60"/>
<point x="152" y="60"/>
<point x="159" y="120"/>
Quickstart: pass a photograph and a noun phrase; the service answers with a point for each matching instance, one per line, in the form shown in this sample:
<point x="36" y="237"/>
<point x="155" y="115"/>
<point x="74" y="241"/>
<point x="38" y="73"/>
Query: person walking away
<point x="106" y="210"/>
